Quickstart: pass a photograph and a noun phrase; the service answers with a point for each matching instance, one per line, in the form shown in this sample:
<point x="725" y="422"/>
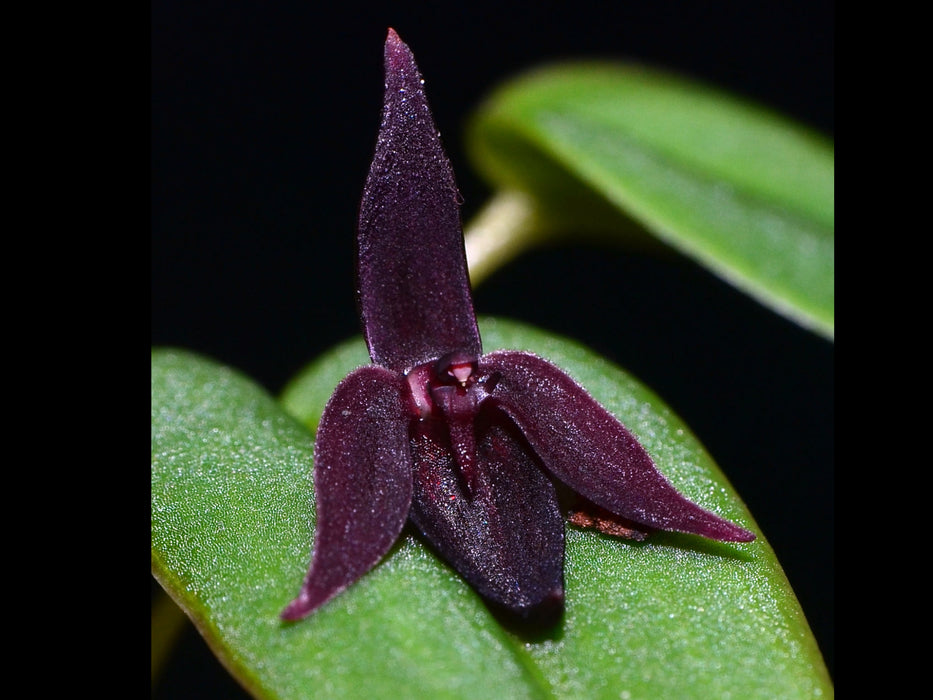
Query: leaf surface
<point x="232" y="526"/>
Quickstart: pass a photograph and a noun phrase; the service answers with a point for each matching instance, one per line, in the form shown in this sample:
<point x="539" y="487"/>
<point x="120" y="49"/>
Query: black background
<point x="264" y="117"/>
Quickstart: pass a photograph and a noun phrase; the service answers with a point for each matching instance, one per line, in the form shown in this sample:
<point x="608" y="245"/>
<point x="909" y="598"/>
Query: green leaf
<point x="232" y="527"/>
<point x="622" y="150"/>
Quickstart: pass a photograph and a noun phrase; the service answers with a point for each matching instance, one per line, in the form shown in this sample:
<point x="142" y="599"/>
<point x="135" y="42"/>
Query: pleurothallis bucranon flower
<point x="466" y="446"/>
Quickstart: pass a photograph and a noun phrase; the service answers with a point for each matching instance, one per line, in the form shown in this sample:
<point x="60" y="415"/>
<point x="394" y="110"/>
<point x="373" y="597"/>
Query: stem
<point x="505" y="227"/>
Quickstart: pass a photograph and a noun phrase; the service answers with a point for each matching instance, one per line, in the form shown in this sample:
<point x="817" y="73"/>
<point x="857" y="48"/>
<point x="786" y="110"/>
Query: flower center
<point x="445" y="387"/>
<point x="458" y="366"/>
<point x="461" y="371"/>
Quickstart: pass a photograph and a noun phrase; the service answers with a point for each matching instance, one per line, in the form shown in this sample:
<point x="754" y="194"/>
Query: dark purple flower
<point x="467" y="446"/>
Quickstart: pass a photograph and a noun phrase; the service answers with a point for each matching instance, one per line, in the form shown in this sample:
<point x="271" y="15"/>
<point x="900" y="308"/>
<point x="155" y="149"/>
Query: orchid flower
<point x="469" y="447"/>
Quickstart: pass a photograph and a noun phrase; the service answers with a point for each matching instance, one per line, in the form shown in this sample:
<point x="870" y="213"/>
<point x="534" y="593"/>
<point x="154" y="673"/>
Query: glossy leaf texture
<point x="624" y="150"/>
<point x="233" y="517"/>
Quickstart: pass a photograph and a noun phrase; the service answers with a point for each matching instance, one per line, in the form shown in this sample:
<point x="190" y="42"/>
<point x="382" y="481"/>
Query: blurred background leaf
<point x="616" y="150"/>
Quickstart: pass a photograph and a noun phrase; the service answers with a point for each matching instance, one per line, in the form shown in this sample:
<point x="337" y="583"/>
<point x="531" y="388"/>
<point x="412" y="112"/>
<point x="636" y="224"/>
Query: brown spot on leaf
<point x="592" y="517"/>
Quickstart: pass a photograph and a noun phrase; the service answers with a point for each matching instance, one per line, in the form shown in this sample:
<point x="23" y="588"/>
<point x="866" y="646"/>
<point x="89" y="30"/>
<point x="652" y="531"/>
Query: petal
<point x="507" y="541"/>
<point x="587" y="448"/>
<point x="413" y="284"/>
<point x="362" y="483"/>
